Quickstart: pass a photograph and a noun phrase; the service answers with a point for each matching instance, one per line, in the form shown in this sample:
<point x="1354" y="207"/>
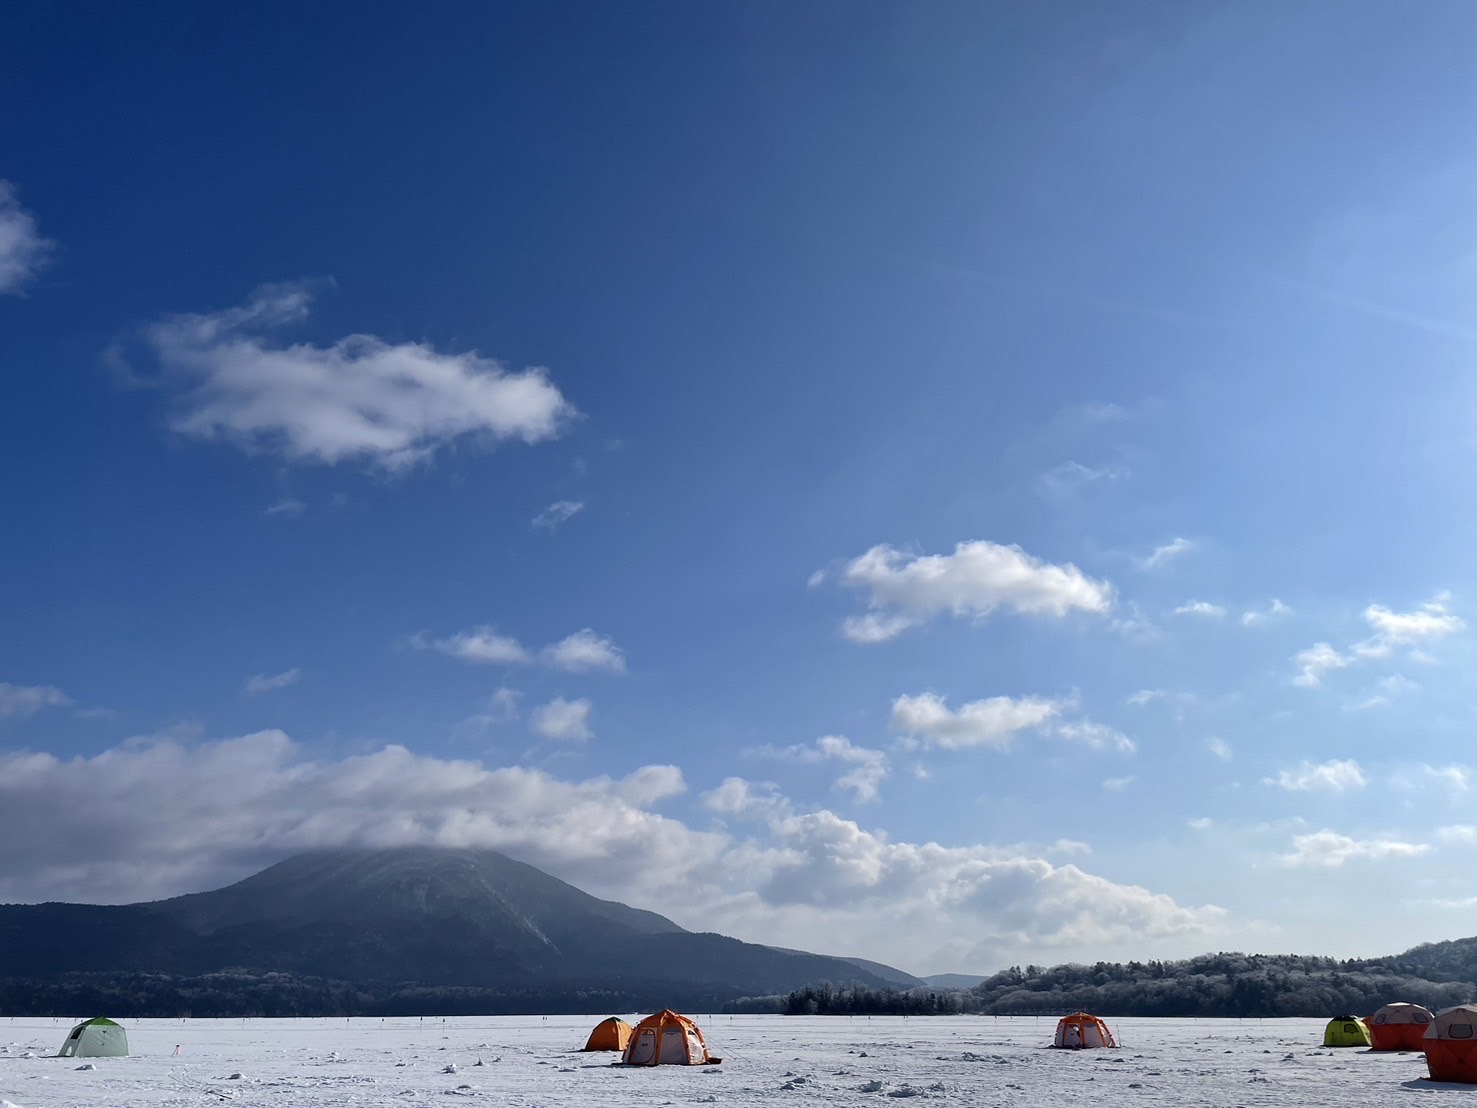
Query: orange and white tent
<point x="1450" y="1044"/>
<point x="1398" y="1027"/>
<point x="667" y="1038"/>
<point x="1080" y="1030"/>
<point x="611" y="1034"/>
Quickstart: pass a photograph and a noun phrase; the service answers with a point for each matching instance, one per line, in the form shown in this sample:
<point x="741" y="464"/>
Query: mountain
<point x="472" y="927"/>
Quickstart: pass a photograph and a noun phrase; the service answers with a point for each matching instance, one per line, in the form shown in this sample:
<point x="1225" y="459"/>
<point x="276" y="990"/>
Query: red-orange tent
<point x="1450" y="1043"/>
<point x="1398" y="1026"/>
<point x="611" y="1034"/>
<point x="1080" y="1030"/>
<point x="667" y="1038"/>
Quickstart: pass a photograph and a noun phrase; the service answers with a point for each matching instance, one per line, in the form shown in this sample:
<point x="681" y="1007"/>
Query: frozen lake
<point x="977" y="1061"/>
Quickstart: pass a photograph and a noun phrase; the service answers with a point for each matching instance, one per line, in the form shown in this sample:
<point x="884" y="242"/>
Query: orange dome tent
<point x="667" y="1038"/>
<point x="1080" y="1030"/>
<point x="1450" y="1043"/>
<point x="611" y="1034"/>
<point x="1398" y="1026"/>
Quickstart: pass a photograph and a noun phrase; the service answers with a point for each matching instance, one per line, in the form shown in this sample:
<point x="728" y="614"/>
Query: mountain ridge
<point x="379" y="921"/>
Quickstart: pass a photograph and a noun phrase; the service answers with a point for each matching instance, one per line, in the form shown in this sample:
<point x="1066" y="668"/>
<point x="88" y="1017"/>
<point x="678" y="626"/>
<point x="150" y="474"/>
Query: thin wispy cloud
<point x="1330" y="850"/>
<point x="1202" y="608"/>
<point x="1069" y="477"/>
<point x="1336" y="775"/>
<point x="262" y="682"/>
<point x="20" y="701"/>
<point x="391" y="405"/>
<point x="558" y="512"/>
<point x="23" y="251"/>
<point x="868" y="768"/>
<point x="285" y="507"/>
<point x="908" y="590"/>
<point x="1162" y="555"/>
<point x="1260" y="617"/>
<point x="585" y="651"/>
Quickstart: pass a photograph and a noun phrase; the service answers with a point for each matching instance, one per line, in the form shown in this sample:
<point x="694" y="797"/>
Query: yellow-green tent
<point x="1346" y="1031"/>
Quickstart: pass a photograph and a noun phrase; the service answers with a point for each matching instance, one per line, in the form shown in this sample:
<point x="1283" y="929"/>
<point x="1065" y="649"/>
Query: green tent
<point x="1346" y="1031"/>
<point x="95" y="1038"/>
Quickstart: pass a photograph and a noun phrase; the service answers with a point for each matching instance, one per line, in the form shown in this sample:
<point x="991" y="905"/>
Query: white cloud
<point x="168" y="816"/>
<point x="1099" y="736"/>
<point x="1204" y="823"/>
<point x="481" y="644"/>
<point x="557" y="512"/>
<point x="992" y="722"/>
<point x="584" y="651"/>
<point x="1163" y="555"/>
<point x="1255" y="617"/>
<point x="1316" y="661"/>
<point x="1220" y="748"/>
<point x="1117" y="784"/>
<point x="1332" y="776"/>
<point x="22" y="249"/>
<point x="1331" y="850"/>
<point x="1432" y="620"/>
<point x="1461" y="834"/>
<point x="164" y="817"/>
<point x="285" y="507"/>
<point x="390" y="404"/>
<point x="1069" y="476"/>
<point x="839" y="886"/>
<point x="563" y="720"/>
<point x="263" y="683"/>
<point x="502" y="707"/>
<point x="907" y="590"/>
<point x="1145" y="696"/>
<point x="19" y="701"/>
<point x="1200" y="608"/>
<point x="869" y="768"/>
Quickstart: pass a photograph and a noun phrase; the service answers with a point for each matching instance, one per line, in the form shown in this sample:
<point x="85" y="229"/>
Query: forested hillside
<point x="1437" y="975"/>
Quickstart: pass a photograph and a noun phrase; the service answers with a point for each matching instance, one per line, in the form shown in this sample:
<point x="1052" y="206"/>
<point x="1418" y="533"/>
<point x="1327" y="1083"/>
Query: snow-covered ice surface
<point x="533" y="1061"/>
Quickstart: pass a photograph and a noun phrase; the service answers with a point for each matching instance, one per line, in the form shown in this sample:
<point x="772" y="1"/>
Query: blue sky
<point x="956" y="484"/>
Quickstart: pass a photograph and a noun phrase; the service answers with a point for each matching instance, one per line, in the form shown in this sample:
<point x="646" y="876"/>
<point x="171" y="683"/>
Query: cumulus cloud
<point x="831" y="879"/>
<point x="563" y="720"/>
<point x="907" y="590"/>
<point x="1331" y="850"/>
<point x="389" y="404"/>
<point x="992" y="722"/>
<point x="582" y="652"/>
<point x="19" y="701"/>
<point x="1335" y="776"/>
<point x="22" y="249"/>
<point x="1433" y="620"/>
<point x="1200" y="608"/>
<point x="163" y="816"/>
<point x="264" y="683"/>
<point x="1163" y="555"/>
<point x="557" y="513"/>
<point x="868" y="768"/>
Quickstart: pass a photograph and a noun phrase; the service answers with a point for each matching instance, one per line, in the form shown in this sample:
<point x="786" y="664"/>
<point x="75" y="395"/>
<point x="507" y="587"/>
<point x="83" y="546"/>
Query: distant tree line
<point x="272" y="994"/>
<point x="1224" y="984"/>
